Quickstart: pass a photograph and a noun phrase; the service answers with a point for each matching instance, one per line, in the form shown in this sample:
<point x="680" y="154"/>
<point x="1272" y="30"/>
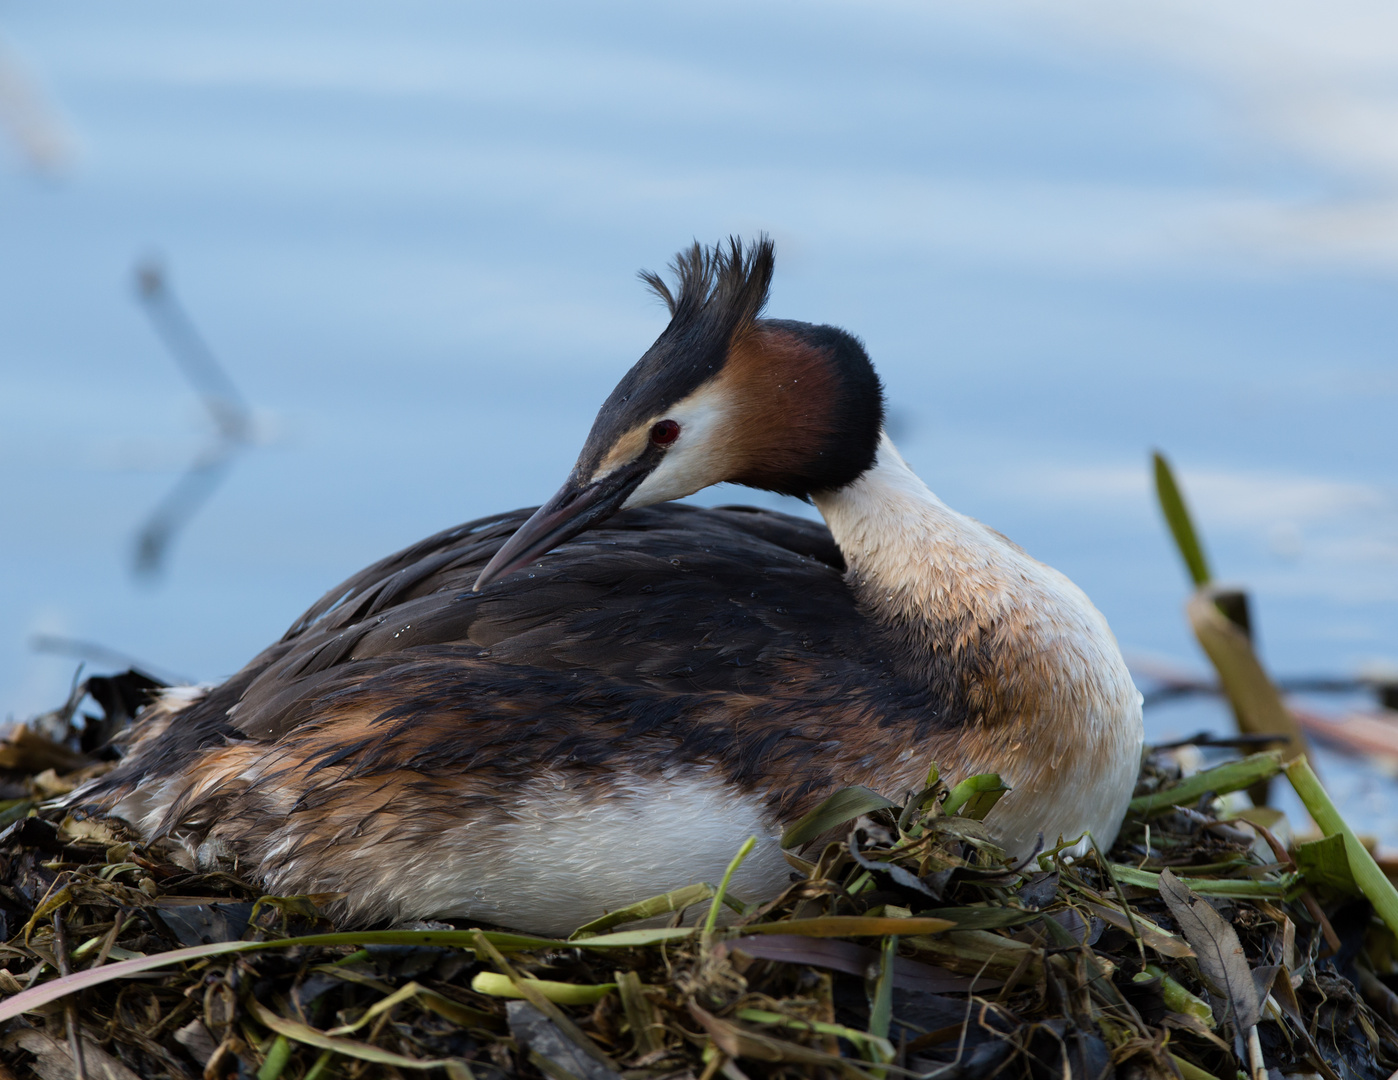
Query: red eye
<point x="664" y="433"/>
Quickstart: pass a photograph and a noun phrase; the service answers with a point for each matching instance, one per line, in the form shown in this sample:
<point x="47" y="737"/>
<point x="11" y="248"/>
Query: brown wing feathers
<point x="473" y="729"/>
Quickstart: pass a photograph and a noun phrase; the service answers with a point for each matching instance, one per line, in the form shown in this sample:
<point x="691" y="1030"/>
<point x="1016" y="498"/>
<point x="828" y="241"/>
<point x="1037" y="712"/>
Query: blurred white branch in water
<point x="32" y="125"/>
<point x="94" y="652"/>
<point x="232" y="417"/>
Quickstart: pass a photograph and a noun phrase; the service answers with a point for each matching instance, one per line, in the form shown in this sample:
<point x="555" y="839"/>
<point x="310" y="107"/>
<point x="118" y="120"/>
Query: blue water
<point x="410" y="233"/>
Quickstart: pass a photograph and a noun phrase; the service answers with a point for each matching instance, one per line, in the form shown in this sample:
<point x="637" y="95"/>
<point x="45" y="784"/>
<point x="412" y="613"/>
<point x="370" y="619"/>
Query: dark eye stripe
<point x="664" y="433"/>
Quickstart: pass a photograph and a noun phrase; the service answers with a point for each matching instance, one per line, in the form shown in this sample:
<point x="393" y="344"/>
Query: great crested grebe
<point x="533" y="717"/>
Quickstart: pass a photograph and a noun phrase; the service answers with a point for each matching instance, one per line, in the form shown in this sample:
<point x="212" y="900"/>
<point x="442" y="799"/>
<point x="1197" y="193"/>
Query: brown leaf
<point x="28" y="751"/>
<point x="54" y="1058"/>
<point x="1285" y="996"/>
<point x="1262" y="980"/>
<point x="195" y="1038"/>
<point x="1164" y="943"/>
<point x="1216" y="944"/>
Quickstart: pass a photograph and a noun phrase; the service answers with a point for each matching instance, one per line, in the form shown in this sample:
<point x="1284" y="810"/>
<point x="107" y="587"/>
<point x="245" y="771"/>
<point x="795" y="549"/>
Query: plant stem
<point x="743" y="852"/>
<point x="1372" y="881"/>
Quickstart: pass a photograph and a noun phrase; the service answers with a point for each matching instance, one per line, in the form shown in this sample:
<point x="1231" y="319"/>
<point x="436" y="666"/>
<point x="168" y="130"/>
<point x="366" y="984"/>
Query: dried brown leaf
<point x="1220" y="953"/>
<point x="54" y="1058"/>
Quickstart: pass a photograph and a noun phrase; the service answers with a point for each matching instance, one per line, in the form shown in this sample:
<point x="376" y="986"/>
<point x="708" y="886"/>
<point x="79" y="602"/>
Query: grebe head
<point x="722" y="395"/>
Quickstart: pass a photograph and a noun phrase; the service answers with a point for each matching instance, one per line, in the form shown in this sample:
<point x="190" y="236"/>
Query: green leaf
<point x="1177" y="517"/>
<point x="11" y="810"/>
<point x="845" y="805"/>
<point x="633" y="939"/>
<point x="640" y="1013"/>
<point x="1326" y="862"/>
<point x="277" y="1057"/>
<point x="675" y="900"/>
<point x="975" y="796"/>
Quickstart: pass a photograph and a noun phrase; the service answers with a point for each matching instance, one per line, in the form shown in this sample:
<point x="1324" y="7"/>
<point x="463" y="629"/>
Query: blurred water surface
<point x="410" y="232"/>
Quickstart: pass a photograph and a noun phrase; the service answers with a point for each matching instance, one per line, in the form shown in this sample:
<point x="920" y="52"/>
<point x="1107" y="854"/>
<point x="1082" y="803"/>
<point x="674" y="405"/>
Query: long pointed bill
<point x="571" y="511"/>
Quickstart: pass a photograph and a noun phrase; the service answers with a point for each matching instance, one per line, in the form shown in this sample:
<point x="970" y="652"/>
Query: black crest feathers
<point x="727" y="284"/>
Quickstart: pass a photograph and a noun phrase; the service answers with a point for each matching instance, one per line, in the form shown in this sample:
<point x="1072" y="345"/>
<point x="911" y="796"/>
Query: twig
<point x="226" y="406"/>
<point x="120" y="924"/>
<point x="1259" y="1067"/>
<point x="70" y="1007"/>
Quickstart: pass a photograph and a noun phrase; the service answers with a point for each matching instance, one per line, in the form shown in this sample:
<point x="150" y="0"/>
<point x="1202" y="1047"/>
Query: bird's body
<point x="613" y="719"/>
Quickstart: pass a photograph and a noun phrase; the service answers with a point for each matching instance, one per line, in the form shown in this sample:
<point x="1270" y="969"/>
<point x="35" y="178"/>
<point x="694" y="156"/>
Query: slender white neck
<point x="1011" y="646"/>
<point x="946" y="582"/>
<point x="911" y="556"/>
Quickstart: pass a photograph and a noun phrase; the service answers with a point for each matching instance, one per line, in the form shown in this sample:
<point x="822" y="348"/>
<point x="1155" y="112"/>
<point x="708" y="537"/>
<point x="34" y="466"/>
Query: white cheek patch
<point x="698" y="458"/>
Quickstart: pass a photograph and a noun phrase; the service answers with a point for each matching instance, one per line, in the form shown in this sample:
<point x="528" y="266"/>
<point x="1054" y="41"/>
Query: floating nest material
<point x="1200" y="946"/>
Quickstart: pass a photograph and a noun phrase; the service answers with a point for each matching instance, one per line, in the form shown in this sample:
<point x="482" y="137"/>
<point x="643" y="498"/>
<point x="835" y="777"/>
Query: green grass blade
<point x="873" y="1049"/>
<point x="1181" y="526"/>
<point x="743" y="853"/>
<point x="277" y="1057"/>
<point x="881" y="1008"/>
<point x="1372" y="881"/>
<point x="1237" y="888"/>
<point x="845" y="805"/>
<point x="675" y="900"/>
<point x="322" y="1065"/>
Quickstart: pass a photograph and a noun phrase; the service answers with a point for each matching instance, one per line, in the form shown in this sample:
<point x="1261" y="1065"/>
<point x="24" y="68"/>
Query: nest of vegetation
<point x="907" y="945"/>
